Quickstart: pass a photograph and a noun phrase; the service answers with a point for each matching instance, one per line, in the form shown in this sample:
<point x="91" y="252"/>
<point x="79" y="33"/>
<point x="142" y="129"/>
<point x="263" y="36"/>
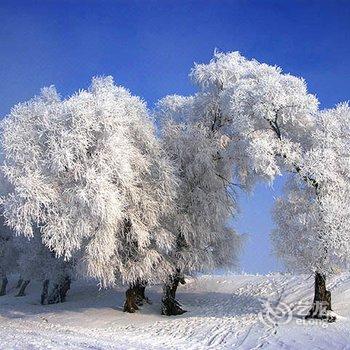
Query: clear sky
<point x="150" y="46"/>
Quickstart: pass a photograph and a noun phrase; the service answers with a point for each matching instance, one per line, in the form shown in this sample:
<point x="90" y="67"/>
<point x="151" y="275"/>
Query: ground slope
<point x="223" y="314"/>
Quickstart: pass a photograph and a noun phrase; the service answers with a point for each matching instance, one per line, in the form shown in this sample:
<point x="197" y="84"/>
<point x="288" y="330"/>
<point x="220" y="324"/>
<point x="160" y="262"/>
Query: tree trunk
<point x="135" y="297"/>
<point x="23" y="288"/>
<point x="170" y="305"/>
<point x="44" y="292"/>
<point x="141" y="294"/>
<point x="3" y="286"/>
<point x="141" y="298"/>
<point x="322" y="303"/>
<point x="59" y="291"/>
<point x="131" y="298"/>
<point x="19" y="282"/>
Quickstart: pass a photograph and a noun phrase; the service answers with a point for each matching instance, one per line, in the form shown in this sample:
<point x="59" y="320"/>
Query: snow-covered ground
<point x="223" y="314"/>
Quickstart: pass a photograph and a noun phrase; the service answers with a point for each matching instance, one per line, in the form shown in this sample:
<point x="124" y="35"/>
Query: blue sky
<point x="150" y="46"/>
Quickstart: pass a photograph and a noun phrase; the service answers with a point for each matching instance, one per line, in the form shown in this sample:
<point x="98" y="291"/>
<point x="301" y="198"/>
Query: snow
<point x="222" y="314"/>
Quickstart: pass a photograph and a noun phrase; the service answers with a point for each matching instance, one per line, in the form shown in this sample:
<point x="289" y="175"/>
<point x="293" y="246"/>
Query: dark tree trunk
<point x="141" y="294"/>
<point x="21" y="292"/>
<point x="141" y="298"/>
<point x="135" y="297"/>
<point x="170" y="305"/>
<point x="59" y="291"/>
<point x="65" y="288"/>
<point x="19" y="282"/>
<point x="322" y="303"/>
<point x="4" y="282"/>
<point x="44" y="292"/>
<point x="131" y="298"/>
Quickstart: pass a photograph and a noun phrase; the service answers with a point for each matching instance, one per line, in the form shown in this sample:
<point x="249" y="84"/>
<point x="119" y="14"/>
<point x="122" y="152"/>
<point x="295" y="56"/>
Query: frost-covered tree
<point x="264" y="117"/>
<point x="208" y="159"/>
<point x="275" y="123"/>
<point x="8" y="249"/>
<point x="31" y="259"/>
<point x="8" y="255"/>
<point x="273" y="118"/>
<point x="88" y="172"/>
<point x="267" y="115"/>
<point x="205" y="203"/>
<point x="37" y="262"/>
<point x="312" y="232"/>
